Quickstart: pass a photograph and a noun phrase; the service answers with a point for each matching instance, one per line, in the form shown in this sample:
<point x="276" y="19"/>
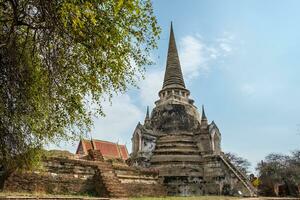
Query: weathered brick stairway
<point x="240" y="175"/>
<point x="173" y="153"/>
<point x="110" y="180"/>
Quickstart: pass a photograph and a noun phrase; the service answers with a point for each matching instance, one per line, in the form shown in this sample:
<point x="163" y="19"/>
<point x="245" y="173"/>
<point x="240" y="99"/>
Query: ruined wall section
<point x="57" y="176"/>
<point x="139" y="181"/>
<point x="96" y="178"/>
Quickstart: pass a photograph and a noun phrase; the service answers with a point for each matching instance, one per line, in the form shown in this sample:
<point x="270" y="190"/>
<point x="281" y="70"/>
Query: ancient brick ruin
<point x="183" y="146"/>
<point x="91" y="177"/>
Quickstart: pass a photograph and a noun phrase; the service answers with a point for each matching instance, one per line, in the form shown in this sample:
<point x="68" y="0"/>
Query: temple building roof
<point x="107" y="149"/>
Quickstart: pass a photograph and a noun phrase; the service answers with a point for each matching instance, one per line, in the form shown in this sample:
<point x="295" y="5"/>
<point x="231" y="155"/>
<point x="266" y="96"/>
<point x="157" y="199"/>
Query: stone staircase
<point x="139" y="182"/>
<point x="110" y="180"/>
<point x="240" y="175"/>
<point x="174" y="152"/>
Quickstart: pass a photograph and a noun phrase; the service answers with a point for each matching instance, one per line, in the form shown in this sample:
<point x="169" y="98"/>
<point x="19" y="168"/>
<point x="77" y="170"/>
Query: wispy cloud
<point x="197" y="55"/>
<point x="248" y="89"/>
<point x="122" y="115"/>
<point x="225" y="43"/>
<point x="121" y="118"/>
<point x="192" y="55"/>
<point x="150" y="87"/>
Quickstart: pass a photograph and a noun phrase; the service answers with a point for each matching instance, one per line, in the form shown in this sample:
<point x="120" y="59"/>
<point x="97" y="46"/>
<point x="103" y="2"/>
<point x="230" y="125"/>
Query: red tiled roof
<point x="107" y="149"/>
<point x="124" y="151"/>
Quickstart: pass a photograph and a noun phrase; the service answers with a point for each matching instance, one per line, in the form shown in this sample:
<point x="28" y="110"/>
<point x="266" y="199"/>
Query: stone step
<point x="171" y="164"/>
<point x="114" y="189"/>
<point x="107" y="172"/>
<point x="176" y="140"/>
<point x="130" y="173"/>
<point x="177" y="158"/>
<point x="103" y="164"/>
<point x="178" y="133"/>
<point x="111" y="182"/>
<point x="181" y="173"/>
<point x="117" y="192"/>
<point x="177" y="145"/>
<point x="136" y="177"/>
<point x="105" y="169"/>
<point x="108" y="176"/>
<point x="188" y="151"/>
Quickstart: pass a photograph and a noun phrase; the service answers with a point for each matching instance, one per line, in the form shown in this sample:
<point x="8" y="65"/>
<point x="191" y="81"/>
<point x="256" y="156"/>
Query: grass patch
<point x="188" y="198"/>
<point x="40" y="194"/>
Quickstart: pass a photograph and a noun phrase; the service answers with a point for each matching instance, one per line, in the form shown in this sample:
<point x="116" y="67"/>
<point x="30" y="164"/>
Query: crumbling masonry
<point x="183" y="146"/>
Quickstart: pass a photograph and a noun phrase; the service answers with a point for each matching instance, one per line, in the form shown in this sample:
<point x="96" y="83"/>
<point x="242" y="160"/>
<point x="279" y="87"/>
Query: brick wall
<point x="139" y="182"/>
<point x="57" y="176"/>
<point x="97" y="178"/>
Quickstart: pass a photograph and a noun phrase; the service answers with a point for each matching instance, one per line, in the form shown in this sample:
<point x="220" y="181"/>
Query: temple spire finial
<point x="203" y="117"/>
<point x="147" y="118"/>
<point x="173" y="75"/>
<point x="147" y="114"/>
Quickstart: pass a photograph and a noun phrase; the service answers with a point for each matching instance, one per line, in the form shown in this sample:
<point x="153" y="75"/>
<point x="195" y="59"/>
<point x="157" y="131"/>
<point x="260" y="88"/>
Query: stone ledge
<point x="166" y="158"/>
<point x="136" y="177"/>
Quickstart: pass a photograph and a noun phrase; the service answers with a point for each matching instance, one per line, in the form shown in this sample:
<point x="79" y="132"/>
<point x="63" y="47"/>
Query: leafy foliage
<point x="59" y="57"/>
<point x="241" y="163"/>
<point x="57" y="154"/>
<point x="280" y="169"/>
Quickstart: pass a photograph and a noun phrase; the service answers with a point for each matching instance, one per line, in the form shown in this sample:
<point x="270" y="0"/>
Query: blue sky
<point x="241" y="59"/>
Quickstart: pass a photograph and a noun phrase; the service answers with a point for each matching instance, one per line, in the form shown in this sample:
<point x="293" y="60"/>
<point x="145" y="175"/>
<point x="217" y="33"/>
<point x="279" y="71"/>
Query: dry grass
<point x="188" y="198"/>
<point x="40" y="194"/>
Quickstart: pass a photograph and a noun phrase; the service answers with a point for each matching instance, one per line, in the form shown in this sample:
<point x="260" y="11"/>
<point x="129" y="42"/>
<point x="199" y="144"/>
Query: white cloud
<point x="150" y="87"/>
<point x="192" y="56"/>
<point x="117" y="126"/>
<point x="196" y="55"/>
<point x="225" y="43"/>
<point x="248" y="89"/>
<point x="121" y="118"/>
<point x="225" y="47"/>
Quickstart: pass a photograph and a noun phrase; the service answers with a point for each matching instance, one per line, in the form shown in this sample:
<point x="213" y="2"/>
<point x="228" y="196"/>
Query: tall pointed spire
<point x="204" y="122"/>
<point x="147" y="114"/>
<point x="147" y="118"/>
<point x="203" y="117"/>
<point x="173" y="75"/>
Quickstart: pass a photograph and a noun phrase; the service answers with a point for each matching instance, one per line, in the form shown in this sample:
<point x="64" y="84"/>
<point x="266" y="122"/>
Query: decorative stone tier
<point x="175" y="149"/>
<point x="177" y="158"/>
